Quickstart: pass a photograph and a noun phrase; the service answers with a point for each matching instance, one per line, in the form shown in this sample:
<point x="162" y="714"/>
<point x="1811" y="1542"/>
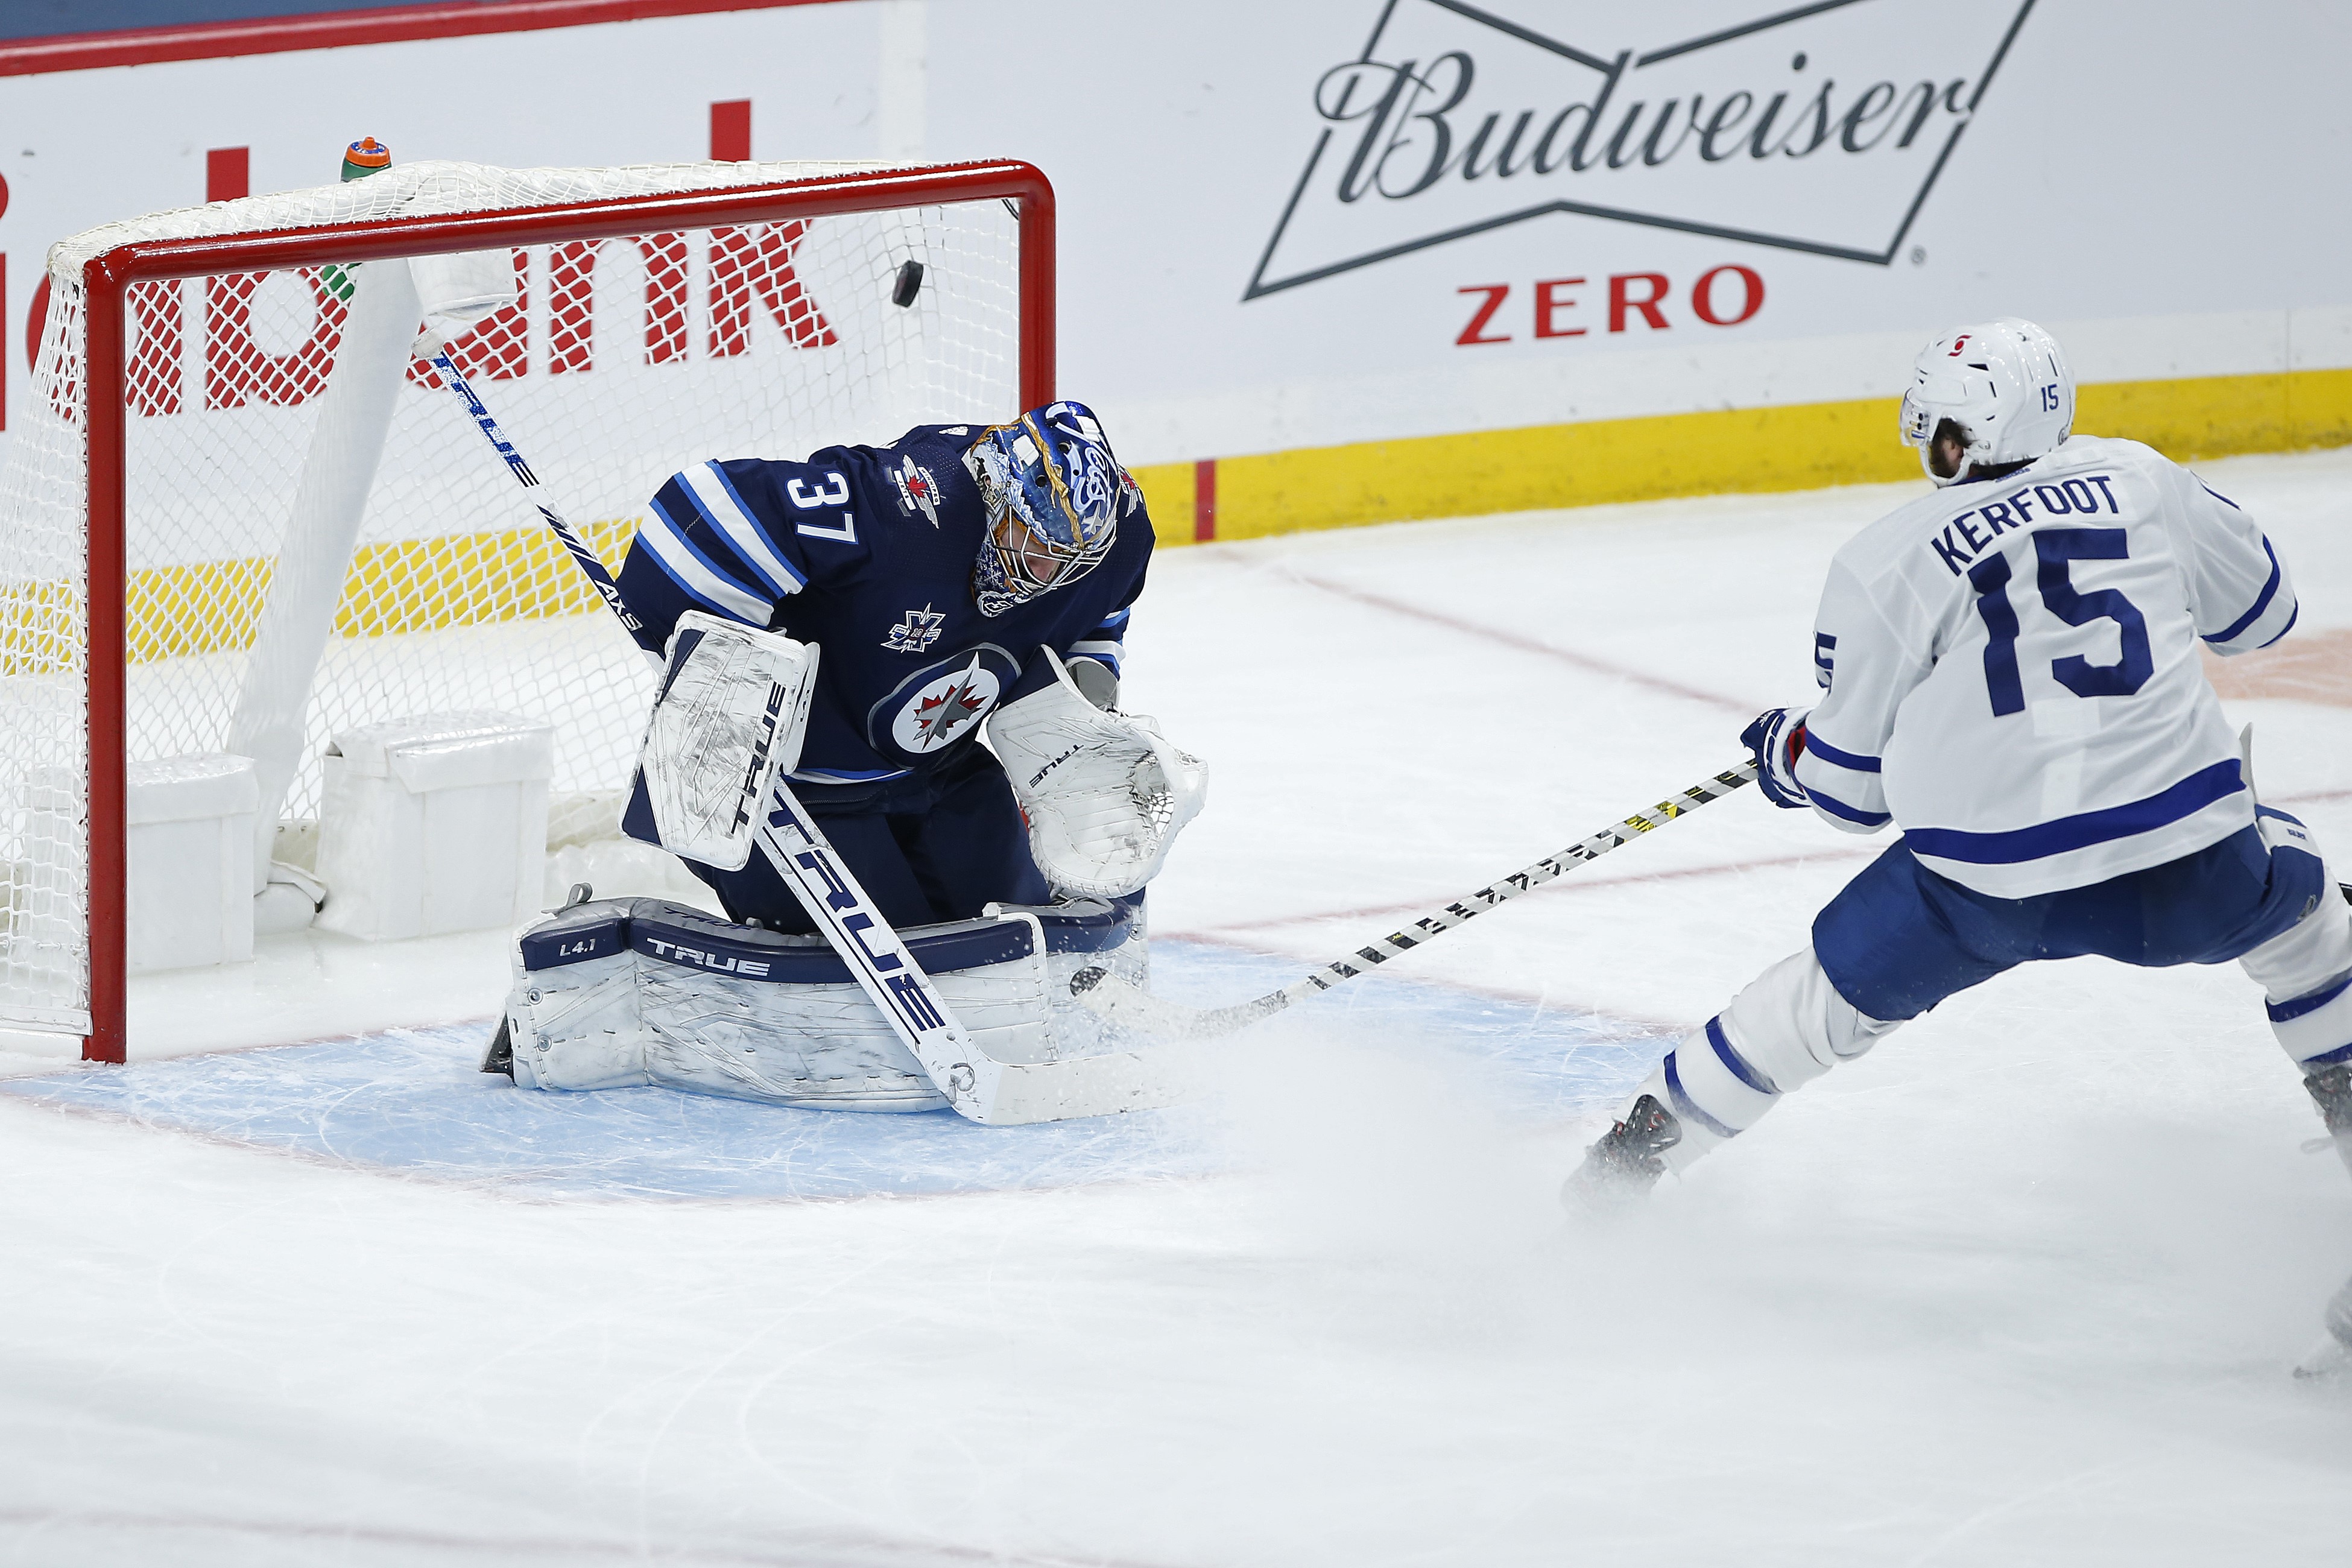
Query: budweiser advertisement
<point x="1324" y="222"/>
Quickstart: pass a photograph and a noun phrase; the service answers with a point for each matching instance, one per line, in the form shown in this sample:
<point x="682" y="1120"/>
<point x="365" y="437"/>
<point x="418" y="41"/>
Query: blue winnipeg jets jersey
<point x="2013" y="674"/>
<point x="867" y="552"/>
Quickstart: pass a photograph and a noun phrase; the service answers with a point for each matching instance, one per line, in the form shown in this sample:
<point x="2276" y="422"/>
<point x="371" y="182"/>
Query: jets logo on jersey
<point x="916" y="631"/>
<point x="945" y="709"/>
<point x="941" y="703"/>
<point x="918" y="490"/>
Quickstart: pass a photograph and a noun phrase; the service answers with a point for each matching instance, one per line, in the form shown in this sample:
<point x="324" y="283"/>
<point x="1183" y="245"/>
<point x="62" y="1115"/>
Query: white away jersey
<point x="2013" y="677"/>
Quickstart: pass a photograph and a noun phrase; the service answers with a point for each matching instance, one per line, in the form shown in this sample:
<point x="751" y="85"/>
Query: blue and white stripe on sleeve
<point x="713" y="496"/>
<point x="2268" y="616"/>
<point x="1107" y="644"/>
<point x="702" y="578"/>
<point x="1844" y="786"/>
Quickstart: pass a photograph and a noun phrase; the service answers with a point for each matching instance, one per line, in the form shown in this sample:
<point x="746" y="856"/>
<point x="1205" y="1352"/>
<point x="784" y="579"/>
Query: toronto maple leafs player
<point x="945" y="578"/>
<point x="2011" y="678"/>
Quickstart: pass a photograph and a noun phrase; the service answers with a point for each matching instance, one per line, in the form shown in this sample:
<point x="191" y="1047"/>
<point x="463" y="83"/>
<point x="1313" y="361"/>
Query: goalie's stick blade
<point x="1114" y="998"/>
<point x="1083" y="1085"/>
<point x="1125" y="1004"/>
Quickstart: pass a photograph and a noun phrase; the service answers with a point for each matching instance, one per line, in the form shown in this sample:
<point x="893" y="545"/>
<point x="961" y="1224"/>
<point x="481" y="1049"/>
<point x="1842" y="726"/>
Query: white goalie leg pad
<point x="1104" y="794"/>
<point x="1786" y="1028"/>
<point x="732" y="710"/>
<point x="579" y="1026"/>
<point x="640" y="991"/>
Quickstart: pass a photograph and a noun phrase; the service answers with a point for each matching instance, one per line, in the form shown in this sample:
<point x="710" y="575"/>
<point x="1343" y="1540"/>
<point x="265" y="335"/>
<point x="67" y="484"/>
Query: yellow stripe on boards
<point x="173" y="610"/>
<point x="1167" y="497"/>
<point x="472" y="579"/>
<point x="403" y="586"/>
<point x="1789" y="448"/>
<point x="2213" y="416"/>
<point x="40" y="628"/>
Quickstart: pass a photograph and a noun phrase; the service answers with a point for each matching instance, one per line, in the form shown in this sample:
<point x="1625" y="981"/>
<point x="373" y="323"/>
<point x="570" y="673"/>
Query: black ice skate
<point x="1626" y="1162"/>
<point x="2331" y="1091"/>
<point x="500" y="1057"/>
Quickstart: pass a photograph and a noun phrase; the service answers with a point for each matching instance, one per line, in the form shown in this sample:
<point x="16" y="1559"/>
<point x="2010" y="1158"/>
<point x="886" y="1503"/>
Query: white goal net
<point x="637" y="343"/>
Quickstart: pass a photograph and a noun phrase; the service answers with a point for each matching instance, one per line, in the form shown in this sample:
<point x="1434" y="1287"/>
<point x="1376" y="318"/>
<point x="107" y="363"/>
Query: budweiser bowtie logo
<point x="1818" y="128"/>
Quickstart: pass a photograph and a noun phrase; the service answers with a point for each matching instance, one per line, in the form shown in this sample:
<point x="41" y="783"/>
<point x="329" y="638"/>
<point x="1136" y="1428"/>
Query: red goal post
<point x="39" y="992"/>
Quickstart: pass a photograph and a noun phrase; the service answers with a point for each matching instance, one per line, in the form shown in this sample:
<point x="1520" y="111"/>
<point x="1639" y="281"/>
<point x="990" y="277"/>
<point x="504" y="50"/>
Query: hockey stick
<point x="1114" y="998"/>
<point x="978" y="1086"/>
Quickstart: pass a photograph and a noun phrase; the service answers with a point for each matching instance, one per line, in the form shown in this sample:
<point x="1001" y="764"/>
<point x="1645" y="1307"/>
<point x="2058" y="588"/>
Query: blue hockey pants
<point x="1899" y="939"/>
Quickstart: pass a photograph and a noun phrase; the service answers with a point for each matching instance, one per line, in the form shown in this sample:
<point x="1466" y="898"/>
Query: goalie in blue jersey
<point x="2010" y="676"/>
<point x="964" y="577"/>
<point x="860" y="619"/>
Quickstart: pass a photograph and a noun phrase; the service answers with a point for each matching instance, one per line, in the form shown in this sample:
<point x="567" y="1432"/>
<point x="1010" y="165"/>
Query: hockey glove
<point x="1103" y="794"/>
<point x="1776" y="740"/>
<point x="733" y="705"/>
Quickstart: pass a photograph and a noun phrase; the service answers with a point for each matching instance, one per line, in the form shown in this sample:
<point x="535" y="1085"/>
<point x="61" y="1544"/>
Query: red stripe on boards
<point x="229" y="173"/>
<point x="35" y="321"/>
<point x="730" y="131"/>
<point x="342" y="30"/>
<point x="1204" y="500"/>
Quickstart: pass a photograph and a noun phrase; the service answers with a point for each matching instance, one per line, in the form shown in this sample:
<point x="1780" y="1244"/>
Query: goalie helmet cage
<point x="159" y="508"/>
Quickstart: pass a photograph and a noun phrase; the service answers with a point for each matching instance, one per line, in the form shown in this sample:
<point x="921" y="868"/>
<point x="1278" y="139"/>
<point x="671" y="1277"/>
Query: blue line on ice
<point x="410" y="1101"/>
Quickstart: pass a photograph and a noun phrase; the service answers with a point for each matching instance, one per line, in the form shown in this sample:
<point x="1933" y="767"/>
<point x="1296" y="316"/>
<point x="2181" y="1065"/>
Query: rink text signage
<point x="1818" y="128"/>
<point x="1576" y="307"/>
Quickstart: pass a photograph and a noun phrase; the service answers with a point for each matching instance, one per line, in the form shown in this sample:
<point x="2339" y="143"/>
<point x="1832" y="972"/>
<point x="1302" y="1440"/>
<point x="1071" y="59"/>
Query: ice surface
<point x="2020" y="1286"/>
<point x="412" y="1101"/>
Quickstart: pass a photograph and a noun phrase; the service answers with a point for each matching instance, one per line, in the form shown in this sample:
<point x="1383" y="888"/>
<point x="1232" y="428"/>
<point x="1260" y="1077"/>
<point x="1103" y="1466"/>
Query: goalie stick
<point x="1114" y="998"/>
<point x="978" y="1087"/>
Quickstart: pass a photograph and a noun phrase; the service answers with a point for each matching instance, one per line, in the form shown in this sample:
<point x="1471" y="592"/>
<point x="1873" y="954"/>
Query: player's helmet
<point x="2005" y="383"/>
<point x="1054" y="496"/>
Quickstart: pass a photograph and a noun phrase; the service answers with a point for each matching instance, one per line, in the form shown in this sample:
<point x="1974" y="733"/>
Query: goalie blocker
<point x="617" y="992"/>
<point x="730" y="715"/>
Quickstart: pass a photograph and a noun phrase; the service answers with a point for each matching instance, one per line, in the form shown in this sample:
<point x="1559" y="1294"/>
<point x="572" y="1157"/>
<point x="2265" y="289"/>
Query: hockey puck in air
<point x="909" y="284"/>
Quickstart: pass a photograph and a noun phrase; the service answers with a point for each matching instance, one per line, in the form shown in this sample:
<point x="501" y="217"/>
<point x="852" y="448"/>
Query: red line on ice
<point x="1583" y="661"/>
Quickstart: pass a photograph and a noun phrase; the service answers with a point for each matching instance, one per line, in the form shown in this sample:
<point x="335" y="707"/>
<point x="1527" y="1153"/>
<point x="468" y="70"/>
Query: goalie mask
<point x="1054" y="496"/>
<point x="2005" y="383"/>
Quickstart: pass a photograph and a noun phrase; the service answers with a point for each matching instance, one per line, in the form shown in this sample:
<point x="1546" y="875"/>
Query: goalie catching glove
<point x="733" y="706"/>
<point x="1103" y="794"/>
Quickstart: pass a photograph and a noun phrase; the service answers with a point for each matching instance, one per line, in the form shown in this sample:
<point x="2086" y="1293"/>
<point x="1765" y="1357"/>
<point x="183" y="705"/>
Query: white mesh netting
<point x="623" y="361"/>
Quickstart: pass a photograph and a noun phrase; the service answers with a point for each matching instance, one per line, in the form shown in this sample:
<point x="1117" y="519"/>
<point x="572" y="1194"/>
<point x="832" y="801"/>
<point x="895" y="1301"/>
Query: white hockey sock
<point x="2315" y="1029"/>
<point x="2305" y="971"/>
<point x="1789" y="1027"/>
